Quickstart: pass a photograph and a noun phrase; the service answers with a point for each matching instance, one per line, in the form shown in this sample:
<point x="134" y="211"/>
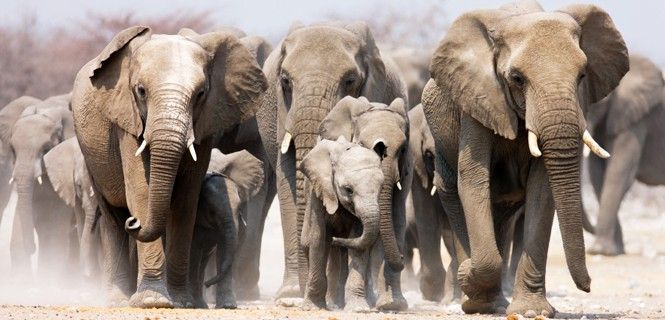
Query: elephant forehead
<point x="358" y="158"/>
<point x="165" y="54"/>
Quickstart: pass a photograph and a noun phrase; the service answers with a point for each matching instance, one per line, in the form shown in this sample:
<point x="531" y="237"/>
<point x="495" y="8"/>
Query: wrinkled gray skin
<point x="173" y="93"/>
<point x="369" y="124"/>
<point x="343" y="210"/>
<point x="70" y="179"/>
<point x="221" y="223"/>
<point x="413" y="64"/>
<point x="629" y="122"/>
<point x="479" y="108"/>
<point x="308" y="73"/>
<point x="40" y="127"/>
<point x="427" y="222"/>
<point x="8" y="116"/>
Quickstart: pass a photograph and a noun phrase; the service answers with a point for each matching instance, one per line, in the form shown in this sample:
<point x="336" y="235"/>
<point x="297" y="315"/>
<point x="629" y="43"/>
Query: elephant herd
<point x="170" y="149"/>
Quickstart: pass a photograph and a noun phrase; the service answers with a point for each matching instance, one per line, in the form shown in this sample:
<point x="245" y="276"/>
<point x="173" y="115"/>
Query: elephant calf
<point x="345" y="180"/>
<point x="230" y="181"/>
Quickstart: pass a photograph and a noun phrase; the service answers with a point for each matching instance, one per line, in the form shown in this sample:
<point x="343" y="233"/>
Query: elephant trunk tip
<point x="397" y="266"/>
<point x="133" y="227"/>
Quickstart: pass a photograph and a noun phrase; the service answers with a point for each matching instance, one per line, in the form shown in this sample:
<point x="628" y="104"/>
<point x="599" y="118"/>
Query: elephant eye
<point x="429" y="154"/>
<point x="140" y="92"/>
<point x="517" y="78"/>
<point x="200" y="94"/>
<point x="582" y="76"/>
<point x="286" y="82"/>
<point x="348" y="190"/>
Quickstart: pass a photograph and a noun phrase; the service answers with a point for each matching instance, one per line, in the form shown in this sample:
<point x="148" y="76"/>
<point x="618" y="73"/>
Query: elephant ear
<point x="259" y="47"/>
<point x="109" y="75"/>
<point x="376" y="77"/>
<point x="607" y="55"/>
<point x="242" y="167"/>
<point x="463" y="68"/>
<point x="60" y="167"/>
<point x="12" y="112"/>
<point x="637" y="94"/>
<point x="236" y="83"/>
<point x="417" y="144"/>
<point x="340" y="121"/>
<point x="317" y="167"/>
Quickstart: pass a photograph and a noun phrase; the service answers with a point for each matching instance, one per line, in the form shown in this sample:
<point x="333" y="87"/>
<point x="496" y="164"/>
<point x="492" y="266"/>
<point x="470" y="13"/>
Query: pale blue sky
<point x="642" y="23"/>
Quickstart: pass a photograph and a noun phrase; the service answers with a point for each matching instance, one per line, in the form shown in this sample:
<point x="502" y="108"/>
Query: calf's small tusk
<point x="399" y="185"/>
<point x="192" y="152"/>
<point x="11" y="180"/>
<point x="286" y="142"/>
<point x="594" y="146"/>
<point x="141" y="148"/>
<point x="39" y="179"/>
<point x="533" y="144"/>
<point x="433" y="192"/>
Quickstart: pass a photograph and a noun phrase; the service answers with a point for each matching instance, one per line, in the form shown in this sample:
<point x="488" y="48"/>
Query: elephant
<point x="343" y="210"/>
<point x="508" y="122"/>
<point x="367" y="123"/>
<point x="629" y="122"/>
<point x="414" y="67"/>
<point x="309" y="71"/>
<point x="69" y="176"/>
<point x="245" y="136"/>
<point x="8" y="116"/>
<point x="427" y="222"/>
<point x="40" y="127"/>
<point x="221" y="223"/>
<point x="172" y="93"/>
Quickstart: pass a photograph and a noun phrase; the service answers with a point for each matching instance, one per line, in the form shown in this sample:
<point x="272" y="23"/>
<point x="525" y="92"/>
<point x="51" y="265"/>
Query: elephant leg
<point x="151" y="291"/>
<point x="529" y="288"/>
<point x="202" y="246"/>
<point x="225" y="297"/>
<point x="515" y="254"/>
<point x="286" y="181"/>
<point x="619" y="177"/>
<point x="451" y="289"/>
<point x="389" y="285"/>
<point x="117" y="276"/>
<point x="411" y="241"/>
<point x="428" y="226"/>
<point x="247" y="261"/>
<point x="356" y="298"/>
<point x="335" y="291"/>
<point x="317" y="282"/>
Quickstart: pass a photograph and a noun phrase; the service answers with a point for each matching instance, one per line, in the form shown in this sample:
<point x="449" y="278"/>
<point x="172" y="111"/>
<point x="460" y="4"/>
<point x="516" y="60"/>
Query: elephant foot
<point x="181" y="298"/>
<point x="391" y="302"/>
<point x="289" y="289"/>
<point x="530" y="306"/>
<point x="312" y="305"/>
<point x="226" y="302"/>
<point x="606" y="247"/>
<point x="116" y="298"/>
<point x="357" y="304"/>
<point x="248" y="293"/>
<point x="431" y="287"/>
<point x="480" y="286"/>
<point x="151" y="294"/>
<point x="200" y="303"/>
<point x="494" y="305"/>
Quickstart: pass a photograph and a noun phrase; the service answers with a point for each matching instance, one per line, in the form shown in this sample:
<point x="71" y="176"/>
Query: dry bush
<point x="44" y="63"/>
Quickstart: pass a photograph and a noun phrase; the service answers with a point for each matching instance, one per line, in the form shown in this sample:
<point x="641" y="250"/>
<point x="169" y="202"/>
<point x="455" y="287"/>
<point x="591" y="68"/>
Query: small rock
<point x="530" y="314"/>
<point x="514" y="316"/>
<point x="583" y="317"/>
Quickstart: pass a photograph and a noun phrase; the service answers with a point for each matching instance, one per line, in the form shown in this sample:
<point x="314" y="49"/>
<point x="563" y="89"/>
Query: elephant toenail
<point x="530" y="314"/>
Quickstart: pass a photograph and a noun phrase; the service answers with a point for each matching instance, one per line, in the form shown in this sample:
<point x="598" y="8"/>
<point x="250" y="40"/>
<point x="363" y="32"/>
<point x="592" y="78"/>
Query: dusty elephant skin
<point x="145" y="111"/>
<point x="308" y="73"/>
<point x="508" y="127"/>
<point x="221" y="223"/>
<point x="629" y="122"/>
<point x="39" y="127"/>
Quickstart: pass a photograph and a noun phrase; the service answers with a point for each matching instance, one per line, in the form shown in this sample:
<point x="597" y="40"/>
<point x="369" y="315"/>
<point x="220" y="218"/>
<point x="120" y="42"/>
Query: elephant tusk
<point x="433" y="192"/>
<point x="192" y="152"/>
<point x="132" y="223"/>
<point x="91" y="192"/>
<point x="286" y="142"/>
<point x="141" y="148"/>
<point x="11" y="180"/>
<point x="533" y="145"/>
<point x="39" y="179"/>
<point x="594" y="146"/>
<point x="399" y="185"/>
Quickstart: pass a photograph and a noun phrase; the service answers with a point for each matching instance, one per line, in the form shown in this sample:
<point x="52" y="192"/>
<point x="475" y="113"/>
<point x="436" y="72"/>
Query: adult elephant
<point x="385" y="128"/>
<point x="525" y="88"/>
<point x="309" y="72"/>
<point x="39" y="128"/>
<point x="8" y="116"/>
<point x="171" y="93"/>
<point x="630" y="123"/>
<point x="414" y="65"/>
<point x="69" y="177"/>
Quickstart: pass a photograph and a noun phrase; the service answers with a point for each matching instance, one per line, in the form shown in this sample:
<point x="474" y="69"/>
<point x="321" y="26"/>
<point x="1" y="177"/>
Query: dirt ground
<point x="629" y="286"/>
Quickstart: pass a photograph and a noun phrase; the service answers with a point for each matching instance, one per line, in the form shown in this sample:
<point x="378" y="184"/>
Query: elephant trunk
<point x="369" y="217"/>
<point x="23" y="231"/>
<point x="168" y="142"/>
<point x="394" y="258"/>
<point x="88" y="250"/>
<point x="560" y="135"/>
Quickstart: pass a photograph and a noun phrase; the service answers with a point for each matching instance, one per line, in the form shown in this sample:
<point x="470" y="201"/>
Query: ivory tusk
<point x="399" y="185"/>
<point x="39" y="179"/>
<point x="433" y="192"/>
<point x="92" y="192"/>
<point x="594" y="146"/>
<point x="286" y="143"/>
<point x="192" y="152"/>
<point x="533" y="145"/>
<point x="11" y="180"/>
<point x="141" y="148"/>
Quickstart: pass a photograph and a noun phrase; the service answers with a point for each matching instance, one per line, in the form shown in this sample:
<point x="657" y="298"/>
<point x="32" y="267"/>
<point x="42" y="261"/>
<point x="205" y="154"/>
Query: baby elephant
<point x="219" y="226"/>
<point x="343" y="210"/>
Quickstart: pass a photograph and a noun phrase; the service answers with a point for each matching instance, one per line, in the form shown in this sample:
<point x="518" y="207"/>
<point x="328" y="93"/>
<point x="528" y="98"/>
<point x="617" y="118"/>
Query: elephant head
<point x="519" y="67"/>
<point x="39" y="128"/>
<point x="345" y="173"/>
<point x="385" y="129"/>
<point x="421" y="145"/>
<point x="244" y="169"/>
<point x="171" y="92"/>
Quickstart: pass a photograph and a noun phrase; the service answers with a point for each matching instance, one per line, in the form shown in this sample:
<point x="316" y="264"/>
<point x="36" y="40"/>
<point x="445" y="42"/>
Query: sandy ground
<point x="630" y="286"/>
